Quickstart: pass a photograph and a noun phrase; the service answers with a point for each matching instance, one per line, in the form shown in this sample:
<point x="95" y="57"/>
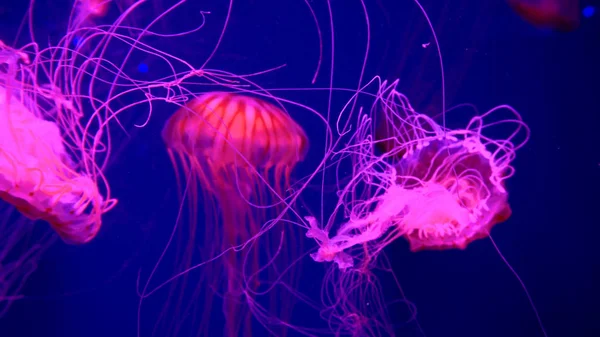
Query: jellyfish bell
<point x="454" y="194"/>
<point x="453" y="180"/>
<point x="240" y="151"/>
<point x="233" y="130"/>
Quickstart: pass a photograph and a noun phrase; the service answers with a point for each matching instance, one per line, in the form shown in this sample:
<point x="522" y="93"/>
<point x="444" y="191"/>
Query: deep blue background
<point x="491" y="57"/>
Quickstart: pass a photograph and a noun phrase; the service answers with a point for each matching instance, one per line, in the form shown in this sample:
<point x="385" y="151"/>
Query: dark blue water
<point x="491" y="57"/>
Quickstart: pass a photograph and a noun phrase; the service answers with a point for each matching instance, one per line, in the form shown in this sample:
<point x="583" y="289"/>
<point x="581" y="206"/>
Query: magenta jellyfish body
<point x="454" y="194"/>
<point x="37" y="174"/>
<point x="452" y="181"/>
<point x="36" y="179"/>
<point x="437" y="187"/>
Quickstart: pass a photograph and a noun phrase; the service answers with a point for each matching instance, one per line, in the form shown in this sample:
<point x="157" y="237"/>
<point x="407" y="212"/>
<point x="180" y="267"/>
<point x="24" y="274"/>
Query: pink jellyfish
<point x="37" y="174"/>
<point x="437" y="187"/>
<point x="89" y="9"/>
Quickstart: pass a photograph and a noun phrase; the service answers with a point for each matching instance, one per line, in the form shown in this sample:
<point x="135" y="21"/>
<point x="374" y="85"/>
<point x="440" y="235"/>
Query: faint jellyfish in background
<point x="562" y="15"/>
<point x="91" y="14"/>
<point x="87" y="11"/>
<point x="238" y="151"/>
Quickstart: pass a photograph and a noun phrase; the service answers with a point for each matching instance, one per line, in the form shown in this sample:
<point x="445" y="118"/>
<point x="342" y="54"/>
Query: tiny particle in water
<point x="425" y="45"/>
<point x="589" y="11"/>
<point x="143" y="68"/>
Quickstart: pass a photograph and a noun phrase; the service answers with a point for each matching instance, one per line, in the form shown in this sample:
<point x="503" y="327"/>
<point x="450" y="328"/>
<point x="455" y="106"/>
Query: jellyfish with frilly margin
<point x="38" y="175"/>
<point x="439" y="188"/>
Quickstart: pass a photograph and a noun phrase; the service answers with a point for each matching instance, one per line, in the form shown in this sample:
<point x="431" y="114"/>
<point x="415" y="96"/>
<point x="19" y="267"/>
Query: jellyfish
<point x="88" y="10"/>
<point x="437" y="187"/>
<point x="458" y="177"/>
<point x="561" y="15"/>
<point x="90" y="14"/>
<point x="39" y="179"/>
<point x="240" y="151"/>
<point x="37" y="174"/>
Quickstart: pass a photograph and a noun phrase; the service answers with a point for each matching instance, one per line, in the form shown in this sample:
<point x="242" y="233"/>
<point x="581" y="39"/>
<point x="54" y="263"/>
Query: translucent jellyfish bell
<point x="436" y="187"/>
<point x="459" y="198"/>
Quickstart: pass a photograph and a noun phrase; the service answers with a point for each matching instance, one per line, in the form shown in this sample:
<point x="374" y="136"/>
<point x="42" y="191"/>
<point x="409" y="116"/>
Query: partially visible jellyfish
<point x="563" y="15"/>
<point x="439" y="188"/>
<point x="37" y="174"/>
<point x="239" y="150"/>
<point x="86" y="11"/>
<point x="95" y="17"/>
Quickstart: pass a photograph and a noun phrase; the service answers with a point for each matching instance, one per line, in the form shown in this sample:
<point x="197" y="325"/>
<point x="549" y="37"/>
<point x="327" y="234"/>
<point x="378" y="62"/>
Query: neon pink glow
<point x="37" y="174"/>
<point x="436" y="187"/>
